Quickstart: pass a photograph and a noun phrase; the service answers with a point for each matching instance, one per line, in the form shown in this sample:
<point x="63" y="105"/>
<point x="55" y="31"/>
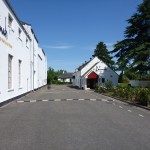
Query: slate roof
<point x="24" y="23"/>
<point x="82" y="66"/>
<point x="66" y="75"/>
<point x="9" y="5"/>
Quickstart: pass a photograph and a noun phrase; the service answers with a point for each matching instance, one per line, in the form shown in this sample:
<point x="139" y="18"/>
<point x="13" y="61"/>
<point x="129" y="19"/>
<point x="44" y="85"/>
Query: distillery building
<point x="23" y="65"/>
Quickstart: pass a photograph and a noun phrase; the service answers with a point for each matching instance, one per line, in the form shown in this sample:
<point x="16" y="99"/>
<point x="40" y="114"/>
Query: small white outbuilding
<point x="94" y="72"/>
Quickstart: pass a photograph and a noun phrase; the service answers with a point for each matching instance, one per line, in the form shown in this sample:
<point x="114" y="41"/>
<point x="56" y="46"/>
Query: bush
<point x="100" y="89"/>
<point x="96" y="87"/>
<point x="143" y="96"/>
<point x="109" y="85"/>
<point x="134" y="94"/>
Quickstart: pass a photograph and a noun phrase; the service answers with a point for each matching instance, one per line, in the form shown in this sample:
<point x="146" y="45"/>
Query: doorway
<point x="91" y="83"/>
<point x="92" y="80"/>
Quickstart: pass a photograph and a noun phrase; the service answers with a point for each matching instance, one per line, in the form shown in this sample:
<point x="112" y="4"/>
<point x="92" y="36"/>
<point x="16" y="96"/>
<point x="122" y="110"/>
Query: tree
<point x="102" y="53"/>
<point x="51" y="75"/>
<point x="121" y="50"/>
<point x="60" y="72"/>
<point x="134" y="51"/>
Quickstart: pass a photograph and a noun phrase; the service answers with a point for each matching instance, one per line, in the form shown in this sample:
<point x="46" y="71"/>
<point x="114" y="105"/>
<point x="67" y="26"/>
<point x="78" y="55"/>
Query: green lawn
<point x="123" y="85"/>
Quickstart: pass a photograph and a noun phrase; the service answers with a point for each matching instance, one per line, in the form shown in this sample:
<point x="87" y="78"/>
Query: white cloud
<point x="58" y="46"/>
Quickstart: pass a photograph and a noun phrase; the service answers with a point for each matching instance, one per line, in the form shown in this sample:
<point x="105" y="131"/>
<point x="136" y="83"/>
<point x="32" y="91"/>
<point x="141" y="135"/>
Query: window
<point x="19" y="72"/>
<point x="19" y="33"/>
<point x="10" y="21"/>
<point x="103" y="80"/>
<point x="27" y="41"/>
<point x="10" y="71"/>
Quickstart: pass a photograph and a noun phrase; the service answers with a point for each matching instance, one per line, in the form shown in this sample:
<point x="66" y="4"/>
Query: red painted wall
<point x="93" y="75"/>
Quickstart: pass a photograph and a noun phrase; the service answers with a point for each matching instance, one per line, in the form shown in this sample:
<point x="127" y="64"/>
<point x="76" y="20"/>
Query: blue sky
<point x="69" y="30"/>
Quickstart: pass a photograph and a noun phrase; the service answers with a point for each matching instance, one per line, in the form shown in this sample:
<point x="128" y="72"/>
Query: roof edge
<point x="9" y="5"/>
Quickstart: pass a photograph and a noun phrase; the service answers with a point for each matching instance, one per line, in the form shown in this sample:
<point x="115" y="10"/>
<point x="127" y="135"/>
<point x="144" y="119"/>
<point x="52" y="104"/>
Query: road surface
<point x="65" y="118"/>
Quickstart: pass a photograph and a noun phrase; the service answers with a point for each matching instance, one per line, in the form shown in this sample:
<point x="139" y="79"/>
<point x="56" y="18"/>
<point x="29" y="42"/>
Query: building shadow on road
<point x="74" y="87"/>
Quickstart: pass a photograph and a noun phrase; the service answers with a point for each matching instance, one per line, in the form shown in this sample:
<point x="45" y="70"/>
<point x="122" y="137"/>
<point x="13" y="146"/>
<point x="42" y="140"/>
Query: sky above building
<point x="69" y="30"/>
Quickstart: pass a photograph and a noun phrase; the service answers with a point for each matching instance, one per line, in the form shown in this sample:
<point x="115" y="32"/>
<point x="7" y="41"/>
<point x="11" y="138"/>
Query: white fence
<point x="139" y="83"/>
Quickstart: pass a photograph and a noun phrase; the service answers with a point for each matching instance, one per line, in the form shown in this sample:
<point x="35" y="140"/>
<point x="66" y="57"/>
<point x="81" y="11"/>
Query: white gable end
<point x="103" y="71"/>
<point x="99" y="69"/>
<point x="89" y="65"/>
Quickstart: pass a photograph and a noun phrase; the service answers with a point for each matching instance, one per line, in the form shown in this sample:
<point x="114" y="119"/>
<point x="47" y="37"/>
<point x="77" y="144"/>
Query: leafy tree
<point x="132" y="75"/>
<point x="60" y="72"/>
<point x="134" y="51"/>
<point x="53" y="75"/>
<point x="102" y="53"/>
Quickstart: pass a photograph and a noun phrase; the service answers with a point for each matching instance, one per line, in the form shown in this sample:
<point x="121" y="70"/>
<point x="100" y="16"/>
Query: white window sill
<point x="20" y="88"/>
<point x="10" y="90"/>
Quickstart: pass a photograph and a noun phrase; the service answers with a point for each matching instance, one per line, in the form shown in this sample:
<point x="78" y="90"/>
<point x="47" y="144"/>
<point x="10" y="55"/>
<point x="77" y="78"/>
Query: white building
<point x="41" y="69"/>
<point x="38" y="61"/>
<point x="94" y="72"/>
<point x="21" y="71"/>
<point x="66" y="77"/>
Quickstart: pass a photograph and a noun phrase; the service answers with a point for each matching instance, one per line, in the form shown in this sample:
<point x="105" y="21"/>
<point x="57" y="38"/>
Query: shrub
<point x="96" y="87"/>
<point x="109" y="85"/>
<point x="142" y="96"/>
<point x="59" y="82"/>
<point x="128" y="93"/>
<point x="102" y="89"/>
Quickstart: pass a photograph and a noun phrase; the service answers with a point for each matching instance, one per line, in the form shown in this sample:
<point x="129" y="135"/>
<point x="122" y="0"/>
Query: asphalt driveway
<point x="65" y="118"/>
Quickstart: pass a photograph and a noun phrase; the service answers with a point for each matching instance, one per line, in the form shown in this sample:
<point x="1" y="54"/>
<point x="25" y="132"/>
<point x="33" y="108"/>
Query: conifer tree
<point x="134" y="51"/>
<point x="102" y="53"/>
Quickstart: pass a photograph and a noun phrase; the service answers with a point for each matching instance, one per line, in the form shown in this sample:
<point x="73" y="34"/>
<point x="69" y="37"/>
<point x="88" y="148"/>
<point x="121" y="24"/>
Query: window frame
<point x="10" y="75"/>
<point x="10" y="21"/>
<point x="19" y="33"/>
<point x="20" y="73"/>
<point x="27" y="43"/>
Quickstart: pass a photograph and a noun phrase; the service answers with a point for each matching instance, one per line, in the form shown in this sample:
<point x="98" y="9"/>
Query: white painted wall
<point x="41" y="68"/>
<point x="33" y="61"/>
<point x="77" y="75"/>
<point x="67" y="80"/>
<point x="15" y="46"/>
<point x="89" y="65"/>
<point x="39" y="59"/>
<point x="19" y="51"/>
